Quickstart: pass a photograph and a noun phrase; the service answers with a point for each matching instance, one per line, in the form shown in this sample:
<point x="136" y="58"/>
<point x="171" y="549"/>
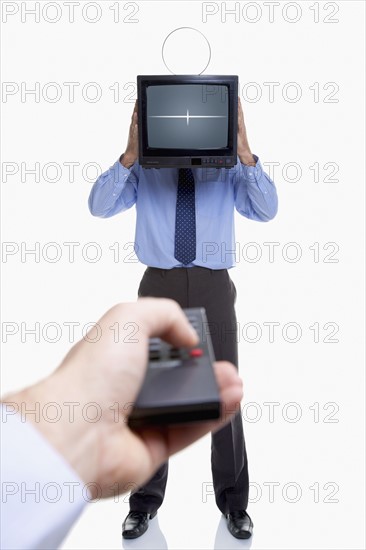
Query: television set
<point x="187" y="121"/>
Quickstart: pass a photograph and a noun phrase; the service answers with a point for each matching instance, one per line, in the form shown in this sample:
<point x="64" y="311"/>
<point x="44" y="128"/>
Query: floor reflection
<point x="153" y="539"/>
<point x="225" y="541"/>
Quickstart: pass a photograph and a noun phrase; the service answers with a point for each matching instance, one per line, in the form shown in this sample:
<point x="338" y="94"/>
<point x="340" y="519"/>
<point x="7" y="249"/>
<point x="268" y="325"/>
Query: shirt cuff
<point x="42" y="496"/>
<point x="251" y="173"/>
<point x="120" y="173"/>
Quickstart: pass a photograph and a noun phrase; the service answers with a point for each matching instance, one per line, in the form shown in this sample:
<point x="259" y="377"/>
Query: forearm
<point x="72" y="435"/>
<point x="246" y="158"/>
<point x="127" y="160"/>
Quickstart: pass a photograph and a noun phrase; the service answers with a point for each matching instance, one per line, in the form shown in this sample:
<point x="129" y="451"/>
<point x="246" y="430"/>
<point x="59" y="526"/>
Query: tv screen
<point x="186" y="117"/>
<point x="187" y="121"/>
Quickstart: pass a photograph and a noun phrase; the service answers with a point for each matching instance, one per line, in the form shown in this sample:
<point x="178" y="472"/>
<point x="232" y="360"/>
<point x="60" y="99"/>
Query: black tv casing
<point x="183" y="158"/>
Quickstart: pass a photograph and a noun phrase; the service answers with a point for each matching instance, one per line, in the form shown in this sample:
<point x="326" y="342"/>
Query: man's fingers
<point x="165" y="318"/>
<point x="231" y="391"/>
<point x="159" y="317"/>
<point x="134" y="110"/>
<point x="226" y="375"/>
<point x="240" y="108"/>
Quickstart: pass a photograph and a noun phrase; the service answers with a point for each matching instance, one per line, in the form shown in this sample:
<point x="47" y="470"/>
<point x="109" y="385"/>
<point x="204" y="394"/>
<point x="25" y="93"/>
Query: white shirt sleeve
<point x="41" y="495"/>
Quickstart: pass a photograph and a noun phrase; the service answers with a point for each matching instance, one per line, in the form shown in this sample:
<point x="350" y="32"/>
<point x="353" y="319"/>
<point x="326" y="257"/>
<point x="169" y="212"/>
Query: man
<point x="191" y="267"/>
<point x="65" y="440"/>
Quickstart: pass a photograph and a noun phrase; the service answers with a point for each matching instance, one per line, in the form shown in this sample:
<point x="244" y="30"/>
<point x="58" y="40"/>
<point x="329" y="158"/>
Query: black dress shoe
<point x="136" y="524"/>
<point x="239" y="524"/>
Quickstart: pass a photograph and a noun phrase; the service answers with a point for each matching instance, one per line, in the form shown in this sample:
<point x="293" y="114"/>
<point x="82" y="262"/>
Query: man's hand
<point x="132" y="150"/>
<point x="105" y="371"/>
<point x="244" y="152"/>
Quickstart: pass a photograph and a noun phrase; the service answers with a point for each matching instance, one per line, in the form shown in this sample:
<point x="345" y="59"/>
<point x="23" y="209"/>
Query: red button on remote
<point x="196" y="352"/>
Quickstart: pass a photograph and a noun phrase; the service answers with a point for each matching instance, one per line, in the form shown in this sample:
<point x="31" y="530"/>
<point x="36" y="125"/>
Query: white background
<point x="327" y="453"/>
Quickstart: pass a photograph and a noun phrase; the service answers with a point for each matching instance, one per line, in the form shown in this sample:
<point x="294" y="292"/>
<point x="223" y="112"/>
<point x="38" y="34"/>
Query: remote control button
<point x="174" y="352"/>
<point x="184" y="354"/>
<point x="198" y="352"/>
<point x="153" y="345"/>
<point x="166" y="364"/>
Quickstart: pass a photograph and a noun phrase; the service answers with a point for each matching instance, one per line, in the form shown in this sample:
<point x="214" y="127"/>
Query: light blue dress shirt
<point x="42" y="495"/>
<point x="154" y="192"/>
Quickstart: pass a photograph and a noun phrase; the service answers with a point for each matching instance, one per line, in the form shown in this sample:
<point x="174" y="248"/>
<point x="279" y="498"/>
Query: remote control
<point x="180" y="384"/>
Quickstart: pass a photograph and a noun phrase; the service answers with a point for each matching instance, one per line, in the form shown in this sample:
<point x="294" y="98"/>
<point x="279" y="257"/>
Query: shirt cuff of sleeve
<point x="43" y="494"/>
<point x="251" y="173"/>
<point x="120" y="172"/>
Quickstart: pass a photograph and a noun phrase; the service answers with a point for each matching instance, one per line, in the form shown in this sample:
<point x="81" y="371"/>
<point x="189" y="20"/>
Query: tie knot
<point x="185" y="176"/>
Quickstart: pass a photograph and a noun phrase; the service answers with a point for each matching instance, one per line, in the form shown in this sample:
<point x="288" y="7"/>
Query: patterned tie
<point x="185" y="221"/>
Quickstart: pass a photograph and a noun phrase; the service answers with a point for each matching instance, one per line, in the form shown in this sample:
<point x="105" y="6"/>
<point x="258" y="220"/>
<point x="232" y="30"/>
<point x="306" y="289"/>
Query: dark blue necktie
<point x="185" y="221"/>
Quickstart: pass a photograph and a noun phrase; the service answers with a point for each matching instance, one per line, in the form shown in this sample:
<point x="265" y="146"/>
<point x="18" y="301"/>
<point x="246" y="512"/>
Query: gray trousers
<point x="215" y="291"/>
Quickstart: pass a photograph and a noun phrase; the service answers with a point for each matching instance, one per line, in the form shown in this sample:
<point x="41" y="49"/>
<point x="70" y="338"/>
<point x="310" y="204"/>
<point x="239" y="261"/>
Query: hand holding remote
<point x="101" y="370"/>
